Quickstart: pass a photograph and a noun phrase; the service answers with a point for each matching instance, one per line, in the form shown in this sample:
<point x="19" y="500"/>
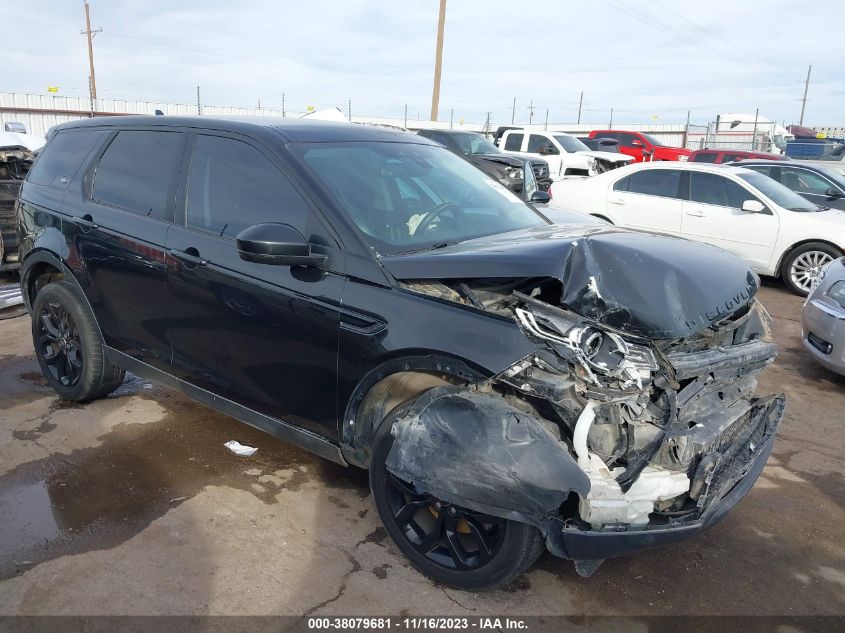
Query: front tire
<point x="802" y="267"/>
<point x="68" y="345"/>
<point x="452" y="545"/>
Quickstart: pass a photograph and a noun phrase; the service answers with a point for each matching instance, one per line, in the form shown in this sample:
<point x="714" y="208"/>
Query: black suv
<point x="511" y="385"/>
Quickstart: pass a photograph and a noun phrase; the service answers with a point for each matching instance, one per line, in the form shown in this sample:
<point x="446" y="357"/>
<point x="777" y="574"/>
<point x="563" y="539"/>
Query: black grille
<point x="540" y="170"/>
<point x="819" y="343"/>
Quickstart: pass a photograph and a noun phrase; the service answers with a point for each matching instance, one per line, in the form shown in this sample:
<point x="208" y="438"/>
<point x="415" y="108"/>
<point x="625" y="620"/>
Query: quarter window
<point x="137" y="170"/>
<point x="513" y="143"/>
<point x="718" y="190"/>
<point x="63" y="155"/>
<point x="655" y="182"/>
<point x="233" y="186"/>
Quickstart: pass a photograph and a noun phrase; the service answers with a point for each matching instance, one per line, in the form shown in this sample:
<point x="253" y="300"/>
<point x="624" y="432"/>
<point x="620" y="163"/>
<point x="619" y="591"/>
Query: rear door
<point x="119" y="212"/>
<point x="713" y="214"/>
<point x="647" y="199"/>
<point x="260" y="335"/>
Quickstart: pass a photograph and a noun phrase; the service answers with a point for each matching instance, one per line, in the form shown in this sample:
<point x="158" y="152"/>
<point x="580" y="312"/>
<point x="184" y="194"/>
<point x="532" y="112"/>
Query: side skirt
<point x="275" y="427"/>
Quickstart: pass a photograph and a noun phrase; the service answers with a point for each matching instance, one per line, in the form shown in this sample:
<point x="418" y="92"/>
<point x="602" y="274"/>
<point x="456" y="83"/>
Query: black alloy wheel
<point x="60" y="344"/>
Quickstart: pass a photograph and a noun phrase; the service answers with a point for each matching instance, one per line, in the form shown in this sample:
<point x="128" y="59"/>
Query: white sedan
<point x="777" y="231"/>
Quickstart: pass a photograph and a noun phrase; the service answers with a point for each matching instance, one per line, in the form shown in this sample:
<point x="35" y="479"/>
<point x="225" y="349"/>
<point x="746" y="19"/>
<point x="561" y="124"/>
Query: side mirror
<point x="753" y="206"/>
<point x="636" y="143"/>
<point x="834" y="193"/>
<point x="278" y="244"/>
<point x="540" y="197"/>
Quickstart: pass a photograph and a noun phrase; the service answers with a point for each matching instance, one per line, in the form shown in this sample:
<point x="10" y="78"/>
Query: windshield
<point x="570" y="143"/>
<point x="475" y="144"/>
<point x="407" y="197"/>
<point x="654" y="140"/>
<point x="836" y="174"/>
<point x="779" y="194"/>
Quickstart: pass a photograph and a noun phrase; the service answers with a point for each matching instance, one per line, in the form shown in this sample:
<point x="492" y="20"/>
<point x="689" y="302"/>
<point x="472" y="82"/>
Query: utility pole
<point x="610" y="126"/>
<point x="438" y="61"/>
<point x="580" y="103"/>
<point x="546" y="124"/>
<point x="754" y="135"/>
<point x="513" y="112"/>
<point x="451" y="117"/>
<point x="531" y="112"/>
<point x="349" y="108"/>
<point x="406" y="115"/>
<point x="92" y="81"/>
<point x="199" y="105"/>
<point x="686" y="129"/>
<point x="804" y="100"/>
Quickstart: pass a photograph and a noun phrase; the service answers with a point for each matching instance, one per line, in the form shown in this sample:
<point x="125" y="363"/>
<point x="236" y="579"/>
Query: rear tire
<point x="513" y="546"/>
<point x="68" y="345"/>
<point x="801" y="269"/>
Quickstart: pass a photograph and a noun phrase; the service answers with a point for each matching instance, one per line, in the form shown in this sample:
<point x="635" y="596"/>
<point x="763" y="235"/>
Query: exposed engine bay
<point x="600" y="429"/>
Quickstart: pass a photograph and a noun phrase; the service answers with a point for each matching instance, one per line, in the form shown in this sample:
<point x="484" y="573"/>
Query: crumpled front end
<point x="608" y="442"/>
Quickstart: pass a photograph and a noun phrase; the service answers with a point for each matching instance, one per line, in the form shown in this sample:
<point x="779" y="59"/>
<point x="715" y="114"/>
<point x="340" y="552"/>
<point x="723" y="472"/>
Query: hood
<point x="504" y="159"/>
<point x="649" y="285"/>
<point x="613" y="157"/>
<point x="30" y="142"/>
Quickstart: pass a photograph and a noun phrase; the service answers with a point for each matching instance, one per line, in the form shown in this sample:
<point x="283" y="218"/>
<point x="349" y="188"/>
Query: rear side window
<point x="63" y="155"/>
<point x="513" y="143"/>
<point x="233" y="186"/>
<point x="655" y="182"/>
<point x="705" y="157"/>
<point x="718" y="190"/>
<point x="137" y="170"/>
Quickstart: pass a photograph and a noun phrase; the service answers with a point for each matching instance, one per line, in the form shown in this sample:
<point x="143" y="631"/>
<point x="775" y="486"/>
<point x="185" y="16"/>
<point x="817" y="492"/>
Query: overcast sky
<point x="649" y="60"/>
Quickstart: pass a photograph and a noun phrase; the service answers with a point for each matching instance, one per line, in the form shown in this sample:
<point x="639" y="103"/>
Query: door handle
<point x="85" y="222"/>
<point x="618" y="201"/>
<point x="188" y="257"/>
<point x="696" y="213"/>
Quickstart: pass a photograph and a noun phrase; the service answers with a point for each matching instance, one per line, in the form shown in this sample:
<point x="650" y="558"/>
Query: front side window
<point x="513" y="143"/>
<point x="714" y="189"/>
<point x="803" y="181"/>
<point x="233" y="186"/>
<point x="405" y="196"/>
<point x="137" y="170"/>
<point x="656" y="182"/>
<point x="538" y="144"/>
<point x="63" y="156"/>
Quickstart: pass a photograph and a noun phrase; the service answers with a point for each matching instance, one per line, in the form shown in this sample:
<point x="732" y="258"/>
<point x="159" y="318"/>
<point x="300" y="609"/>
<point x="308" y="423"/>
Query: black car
<point x="511" y="384"/>
<point x="819" y="183"/>
<point x="506" y="168"/>
<point x="601" y="144"/>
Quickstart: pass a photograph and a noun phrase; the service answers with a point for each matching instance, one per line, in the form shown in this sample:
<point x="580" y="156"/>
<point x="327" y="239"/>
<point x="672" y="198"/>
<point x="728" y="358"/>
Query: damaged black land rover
<point x="511" y="385"/>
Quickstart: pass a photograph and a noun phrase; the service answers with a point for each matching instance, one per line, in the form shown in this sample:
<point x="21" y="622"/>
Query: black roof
<point x="286" y="130"/>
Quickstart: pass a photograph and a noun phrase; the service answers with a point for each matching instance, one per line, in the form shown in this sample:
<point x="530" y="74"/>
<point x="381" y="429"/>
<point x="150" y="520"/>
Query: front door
<point x="260" y="335"/>
<point x="714" y="214"/>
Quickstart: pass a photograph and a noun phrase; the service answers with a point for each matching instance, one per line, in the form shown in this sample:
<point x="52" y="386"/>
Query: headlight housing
<point x="837" y="293"/>
<point x="514" y="173"/>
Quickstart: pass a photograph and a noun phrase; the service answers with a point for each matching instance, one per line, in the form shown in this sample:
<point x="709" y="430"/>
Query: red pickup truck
<point x="643" y="147"/>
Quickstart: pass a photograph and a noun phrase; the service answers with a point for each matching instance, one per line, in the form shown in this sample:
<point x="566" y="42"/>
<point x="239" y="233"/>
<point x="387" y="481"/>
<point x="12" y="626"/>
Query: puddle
<point x="99" y="497"/>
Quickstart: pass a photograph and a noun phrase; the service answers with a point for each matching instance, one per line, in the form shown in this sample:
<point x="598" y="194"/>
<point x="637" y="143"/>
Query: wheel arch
<point x="778" y="269"/>
<point x="390" y="384"/>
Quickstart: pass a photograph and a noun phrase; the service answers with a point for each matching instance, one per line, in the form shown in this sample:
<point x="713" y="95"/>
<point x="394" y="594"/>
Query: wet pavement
<point x="131" y="505"/>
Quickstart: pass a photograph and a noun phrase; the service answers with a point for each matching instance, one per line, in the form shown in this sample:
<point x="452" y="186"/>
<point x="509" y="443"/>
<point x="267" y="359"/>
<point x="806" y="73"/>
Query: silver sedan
<point x="823" y="319"/>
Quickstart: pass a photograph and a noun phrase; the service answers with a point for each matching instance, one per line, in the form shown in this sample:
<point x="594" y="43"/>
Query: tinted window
<point x="766" y="171"/>
<point x="622" y="185"/>
<point x="803" y="181"/>
<point x="715" y="189"/>
<point x="137" y="170"/>
<point x="513" y="142"/>
<point x="63" y="155"/>
<point x="627" y="140"/>
<point x="655" y="182"/>
<point x="233" y="186"/>
<point x="536" y="141"/>
<point x="704" y="157"/>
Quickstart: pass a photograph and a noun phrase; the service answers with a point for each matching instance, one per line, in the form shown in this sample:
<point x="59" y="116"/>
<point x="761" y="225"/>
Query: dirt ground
<point x="131" y="505"/>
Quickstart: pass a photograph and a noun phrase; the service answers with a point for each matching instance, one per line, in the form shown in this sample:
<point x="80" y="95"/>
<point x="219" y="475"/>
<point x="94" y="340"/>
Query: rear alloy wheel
<point x="802" y="268"/>
<point x="68" y="345"/>
<point x="453" y="545"/>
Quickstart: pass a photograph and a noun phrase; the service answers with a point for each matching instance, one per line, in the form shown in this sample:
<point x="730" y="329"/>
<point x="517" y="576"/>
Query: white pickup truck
<point x="566" y="154"/>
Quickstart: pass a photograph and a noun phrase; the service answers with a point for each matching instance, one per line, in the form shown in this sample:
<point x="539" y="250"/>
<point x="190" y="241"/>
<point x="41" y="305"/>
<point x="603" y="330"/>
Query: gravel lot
<point x="131" y="505"/>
